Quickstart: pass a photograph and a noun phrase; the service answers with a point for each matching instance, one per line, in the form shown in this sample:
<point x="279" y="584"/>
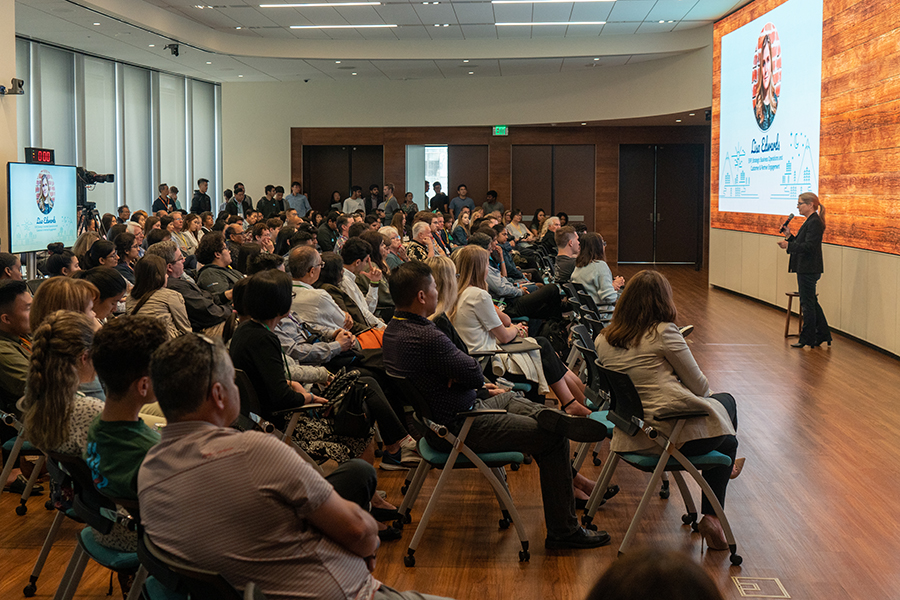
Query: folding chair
<point x="13" y="449"/>
<point x="627" y="413"/>
<point x="251" y="410"/>
<point x="100" y="514"/>
<point x="491" y="465"/>
<point x="181" y="580"/>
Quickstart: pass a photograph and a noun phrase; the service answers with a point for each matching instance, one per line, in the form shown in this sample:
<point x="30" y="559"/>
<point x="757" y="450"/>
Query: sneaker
<point x="409" y="453"/>
<point x="19" y="484"/>
<point x="391" y="462"/>
<point x="581" y="538"/>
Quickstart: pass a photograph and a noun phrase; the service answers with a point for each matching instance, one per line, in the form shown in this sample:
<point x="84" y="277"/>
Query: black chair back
<point x="625" y="403"/>
<point x="596" y="387"/>
<point x="199" y="583"/>
<point x="249" y="399"/>
<point x="414" y="398"/>
<point x="91" y="506"/>
<point x="588" y="301"/>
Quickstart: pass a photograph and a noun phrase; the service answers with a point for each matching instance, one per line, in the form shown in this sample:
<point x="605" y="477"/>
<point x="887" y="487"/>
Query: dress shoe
<point x="384" y="515"/>
<point x="581" y="538"/>
<point x="19" y="484"/>
<point x="737" y="467"/>
<point x="798" y="345"/>
<point x="712" y="534"/>
<point x="577" y="429"/>
<point x="390" y="534"/>
<point x="820" y="342"/>
<point x="686" y="330"/>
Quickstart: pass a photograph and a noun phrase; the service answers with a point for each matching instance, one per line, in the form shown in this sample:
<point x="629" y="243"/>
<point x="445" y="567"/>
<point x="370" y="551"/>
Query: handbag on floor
<point x="346" y="405"/>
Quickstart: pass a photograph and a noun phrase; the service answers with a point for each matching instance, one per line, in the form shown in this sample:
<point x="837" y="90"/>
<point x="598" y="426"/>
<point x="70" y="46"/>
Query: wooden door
<point x="637" y="190"/>
<point x="679" y="203"/>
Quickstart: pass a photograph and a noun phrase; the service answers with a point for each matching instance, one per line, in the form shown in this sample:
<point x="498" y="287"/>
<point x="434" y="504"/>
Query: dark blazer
<point x="805" y="248"/>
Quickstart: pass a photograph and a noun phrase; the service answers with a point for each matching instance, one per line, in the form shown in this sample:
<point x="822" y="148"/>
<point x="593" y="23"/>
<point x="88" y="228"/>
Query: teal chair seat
<point x="648" y="462"/>
<point x="157" y="591"/>
<point x="602" y="416"/>
<point x="27" y="448"/>
<point x="491" y="459"/>
<point x="114" y="560"/>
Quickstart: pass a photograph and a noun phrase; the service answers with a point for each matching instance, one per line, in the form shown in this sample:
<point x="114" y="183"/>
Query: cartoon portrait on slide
<point x="45" y="192"/>
<point x="766" y="76"/>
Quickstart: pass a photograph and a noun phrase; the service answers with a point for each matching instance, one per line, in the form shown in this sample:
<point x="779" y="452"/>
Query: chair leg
<point x="690" y="508"/>
<point x="11" y="460"/>
<point x="600" y="488"/>
<point x="412" y="493"/>
<point x="31" y="588"/>
<point x="429" y="508"/>
<point x="26" y="493"/>
<point x="580" y="455"/>
<point x="72" y="576"/>
<point x="137" y="587"/>
<point x="645" y="501"/>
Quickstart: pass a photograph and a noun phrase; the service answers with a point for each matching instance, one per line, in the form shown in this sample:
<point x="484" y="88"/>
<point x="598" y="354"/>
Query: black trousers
<point x="354" y="480"/>
<point x="381" y="411"/>
<point x="545" y="303"/>
<point x="718" y="477"/>
<point x="815" y="326"/>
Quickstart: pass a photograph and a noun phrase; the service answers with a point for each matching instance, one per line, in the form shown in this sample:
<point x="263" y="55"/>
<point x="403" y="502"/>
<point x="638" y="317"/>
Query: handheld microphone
<point x="787" y="222"/>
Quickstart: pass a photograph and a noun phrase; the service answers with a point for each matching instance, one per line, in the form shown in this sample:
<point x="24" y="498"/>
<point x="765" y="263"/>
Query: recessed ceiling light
<point x="690" y="114"/>
<point x="678" y="120"/>
<point x="662" y="21"/>
<point x="237" y="27"/>
<point x="337" y="62"/>
<point x="152" y="46"/>
<point x="209" y="62"/>
<point x="671" y="21"/>
<point x="556" y="23"/>
<point x="319" y="4"/>
<point x="446" y="25"/>
<point x="240" y="75"/>
<point x="353" y="73"/>
<point x="466" y="60"/>
<point x="584" y="123"/>
<point x="471" y="72"/>
<point x="596" y="59"/>
<point x="340" y="26"/>
<point x="96" y="23"/>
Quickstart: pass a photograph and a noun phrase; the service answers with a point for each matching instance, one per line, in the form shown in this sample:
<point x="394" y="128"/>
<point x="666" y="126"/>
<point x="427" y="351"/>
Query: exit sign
<point x="501" y="130"/>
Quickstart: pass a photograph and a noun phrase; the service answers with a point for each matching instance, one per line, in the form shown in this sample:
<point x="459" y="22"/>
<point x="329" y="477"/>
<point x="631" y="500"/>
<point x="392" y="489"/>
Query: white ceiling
<point x="265" y="49"/>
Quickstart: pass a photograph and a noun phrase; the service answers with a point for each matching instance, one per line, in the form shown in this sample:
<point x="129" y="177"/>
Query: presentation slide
<point x="42" y="206"/>
<point x="770" y="111"/>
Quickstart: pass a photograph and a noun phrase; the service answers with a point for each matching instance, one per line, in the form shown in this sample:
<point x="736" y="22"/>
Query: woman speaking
<point x="805" y="249"/>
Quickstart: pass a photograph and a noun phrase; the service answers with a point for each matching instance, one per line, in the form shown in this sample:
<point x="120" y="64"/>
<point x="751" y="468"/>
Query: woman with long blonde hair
<point x="484" y="327"/>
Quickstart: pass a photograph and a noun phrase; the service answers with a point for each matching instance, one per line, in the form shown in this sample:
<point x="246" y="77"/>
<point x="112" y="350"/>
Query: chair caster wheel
<point x="504" y="523"/>
<point x="664" y="490"/>
<point x="404" y="489"/>
<point x="597" y="461"/>
<point x="48" y="505"/>
<point x="514" y="466"/>
<point x="21" y="510"/>
<point x="528" y="460"/>
<point x="409" y="561"/>
<point x="524" y="555"/>
<point x="736" y="559"/>
<point x="379" y="453"/>
<point x="407" y="518"/>
<point x="687" y="519"/>
<point x="30" y="590"/>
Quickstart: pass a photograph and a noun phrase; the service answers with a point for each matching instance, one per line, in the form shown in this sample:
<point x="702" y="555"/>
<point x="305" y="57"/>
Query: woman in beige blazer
<point x="643" y="342"/>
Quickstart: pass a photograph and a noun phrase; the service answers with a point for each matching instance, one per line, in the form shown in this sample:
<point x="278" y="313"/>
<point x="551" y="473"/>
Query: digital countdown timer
<point x="41" y="156"/>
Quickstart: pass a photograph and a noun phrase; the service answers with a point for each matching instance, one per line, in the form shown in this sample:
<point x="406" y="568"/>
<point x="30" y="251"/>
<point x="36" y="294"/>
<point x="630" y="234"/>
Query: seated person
<point x="567" y="247"/>
<point x="357" y="257"/>
<point x="206" y="316"/>
<point x="129" y="250"/>
<point x="543" y="303"/>
<point x="61" y="262"/>
<point x="509" y="268"/>
<point x="396" y="252"/>
<point x="548" y="235"/>
<point x="483" y="327"/>
<point x="118" y="439"/>
<point x="448" y="379"/>
<point x="593" y="273"/>
<point x="422" y="244"/>
<point x="384" y="304"/>
<point x="151" y="298"/>
<point x="111" y="287"/>
<point x="10" y="267"/>
<point x="315" y="307"/>
<point x="309" y="537"/>
<point x="331" y="277"/>
<point x="216" y="276"/>
<point x="643" y="342"/>
<point x="15" y="345"/>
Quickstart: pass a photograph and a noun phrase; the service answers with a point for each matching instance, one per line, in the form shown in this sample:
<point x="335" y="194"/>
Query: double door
<point x="661" y="203"/>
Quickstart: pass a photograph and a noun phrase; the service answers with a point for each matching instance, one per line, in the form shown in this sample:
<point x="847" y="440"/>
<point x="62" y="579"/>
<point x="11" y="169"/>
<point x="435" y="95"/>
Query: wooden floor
<point x="816" y="506"/>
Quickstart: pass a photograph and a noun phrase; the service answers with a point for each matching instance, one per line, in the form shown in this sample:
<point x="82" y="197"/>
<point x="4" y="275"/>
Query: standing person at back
<point x="461" y="200"/>
<point x="355" y="201"/>
<point x="491" y="204"/>
<point x="440" y="201"/>
<point x="297" y="200"/>
<point x="391" y="205"/>
<point x="201" y="201"/>
<point x="373" y="200"/>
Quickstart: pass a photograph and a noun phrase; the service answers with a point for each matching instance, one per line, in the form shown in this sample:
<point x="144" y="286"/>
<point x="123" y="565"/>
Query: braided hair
<point x="57" y="347"/>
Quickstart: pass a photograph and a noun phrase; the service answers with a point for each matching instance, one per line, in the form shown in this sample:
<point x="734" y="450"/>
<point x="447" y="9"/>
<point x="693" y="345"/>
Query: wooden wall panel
<point x="532" y="179"/>
<point x="573" y="180"/>
<point x="468" y="165"/>
<point x="605" y="141"/>
<point x="859" y="157"/>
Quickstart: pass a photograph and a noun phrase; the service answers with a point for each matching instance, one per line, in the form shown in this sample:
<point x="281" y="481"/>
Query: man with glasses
<point x="204" y="313"/>
<point x="216" y="277"/>
<point x="311" y="306"/>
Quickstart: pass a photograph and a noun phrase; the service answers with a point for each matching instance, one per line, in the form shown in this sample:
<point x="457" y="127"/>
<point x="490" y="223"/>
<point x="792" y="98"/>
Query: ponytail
<point x="810" y="198"/>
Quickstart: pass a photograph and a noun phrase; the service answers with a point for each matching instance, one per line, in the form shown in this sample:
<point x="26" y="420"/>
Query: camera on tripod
<point x="87" y="211"/>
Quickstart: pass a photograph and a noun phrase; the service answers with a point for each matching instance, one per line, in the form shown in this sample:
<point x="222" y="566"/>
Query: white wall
<point x="257" y="117"/>
<point x="8" y="105"/>
<point x="858" y="292"/>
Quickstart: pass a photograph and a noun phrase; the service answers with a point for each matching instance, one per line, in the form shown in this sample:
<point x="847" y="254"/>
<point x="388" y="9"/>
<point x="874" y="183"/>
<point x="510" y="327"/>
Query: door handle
<point x="659" y="218"/>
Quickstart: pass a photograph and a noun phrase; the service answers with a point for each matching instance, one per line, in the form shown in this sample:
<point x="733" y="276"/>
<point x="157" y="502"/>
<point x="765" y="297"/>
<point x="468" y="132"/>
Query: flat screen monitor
<point x="42" y="206"/>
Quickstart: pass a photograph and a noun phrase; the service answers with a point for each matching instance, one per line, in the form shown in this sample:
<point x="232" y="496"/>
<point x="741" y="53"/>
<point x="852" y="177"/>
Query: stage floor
<point x="812" y="509"/>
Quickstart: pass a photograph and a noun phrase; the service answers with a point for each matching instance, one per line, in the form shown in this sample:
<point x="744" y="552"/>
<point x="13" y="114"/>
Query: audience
<point x="10" y="267"/>
<point x="111" y="290"/>
<point x="15" y="343"/>
<point x="63" y="293"/>
<point x="61" y="261"/>
<point x="567" y="248"/>
<point x="128" y="250"/>
<point x="547" y="235"/>
<point x="593" y="273"/>
<point x="217" y="277"/>
<point x="394" y="242"/>
<point x="448" y="379"/>
<point x="643" y="342"/>
<point x="357" y="257"/>
<point x="331" y="280"/>
<point x="150" y="297"/>
<point x="316" y="307"/>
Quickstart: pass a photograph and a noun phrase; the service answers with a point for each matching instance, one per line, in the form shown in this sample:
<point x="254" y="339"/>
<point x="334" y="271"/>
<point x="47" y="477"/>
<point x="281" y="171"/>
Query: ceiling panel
<point x="475" y="32"/>
<point x="512" y="13"/>
<point x="654" y="27"/>
<point x="446" y="33"/>
<point x="245" y="16"/>
<point x="474" y="12"/>
<point x="713" y="10"/>
<point x="635" y="10"/>
<point x="359" y="15"/>
<point x="520" y="66"/>
<point x="584" y="31"/>
<point x="620" y="28"/>
<point x="551" y="12"/>
<point x="379" y="34"/>
<point x="691" y="25"/>
<point x="556" y="31"/>
<point x="591" y="11"/>
<point x="431" y="14"/>
<point x="514" y="32"/>
<point x="400" y="14"/>
<point x="669" y="9"/>
<point x="412" y="32"/>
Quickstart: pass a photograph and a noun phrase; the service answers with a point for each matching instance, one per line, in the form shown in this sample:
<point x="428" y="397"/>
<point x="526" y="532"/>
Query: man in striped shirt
<point x="244" y="504"/>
